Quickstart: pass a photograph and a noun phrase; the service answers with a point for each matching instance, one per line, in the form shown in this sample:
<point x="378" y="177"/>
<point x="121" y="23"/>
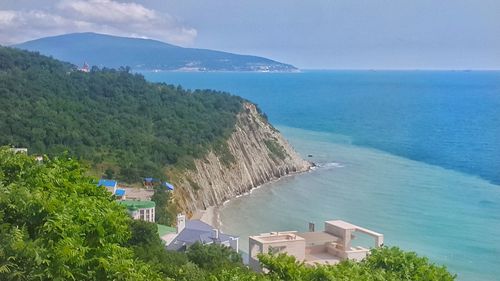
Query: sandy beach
<point x="208" y="216"/>
<point x="211" y="214"/>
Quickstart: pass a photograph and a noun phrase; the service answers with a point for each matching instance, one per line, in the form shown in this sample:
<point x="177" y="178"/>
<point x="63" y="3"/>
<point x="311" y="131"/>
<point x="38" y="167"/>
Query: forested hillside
<point x="115" y="120"/>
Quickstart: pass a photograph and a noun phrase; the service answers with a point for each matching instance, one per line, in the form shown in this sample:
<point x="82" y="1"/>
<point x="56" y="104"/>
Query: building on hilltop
<point x="140" y="210"/>
<point x="110" y="185"/>
<point x="19" y="150"/>
<point x="150" y="182"/>
<point x="330" y="246"/>
<point x="153" y="182"/>
<point x="85" y="68"/>
<point x="120" y="194"/>
<point x="192" y="231"/>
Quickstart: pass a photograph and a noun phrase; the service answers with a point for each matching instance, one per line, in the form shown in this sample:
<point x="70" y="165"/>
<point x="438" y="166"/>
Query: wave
<point x="330" y="165"/>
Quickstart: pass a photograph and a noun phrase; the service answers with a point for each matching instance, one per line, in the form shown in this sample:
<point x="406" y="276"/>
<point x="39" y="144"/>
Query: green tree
<point x="144" y="233"/>
<point x="164" y="212"/>
<point x="406" y="265"/>
<point x="383" y="264"/>
<point x="213" y="257"/>
<point x="56" y="224"/>
<point x="109" y="173"/>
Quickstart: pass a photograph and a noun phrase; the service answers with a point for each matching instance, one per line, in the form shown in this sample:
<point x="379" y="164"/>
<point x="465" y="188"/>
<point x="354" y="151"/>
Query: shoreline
<point x="211" y="214"/>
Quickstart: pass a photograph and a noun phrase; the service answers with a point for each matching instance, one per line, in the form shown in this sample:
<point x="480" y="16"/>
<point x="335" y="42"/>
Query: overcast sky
<point x="341" y="34"/>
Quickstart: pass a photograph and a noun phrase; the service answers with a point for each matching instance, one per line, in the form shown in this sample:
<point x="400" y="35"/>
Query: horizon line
<point x="401" y="69"/>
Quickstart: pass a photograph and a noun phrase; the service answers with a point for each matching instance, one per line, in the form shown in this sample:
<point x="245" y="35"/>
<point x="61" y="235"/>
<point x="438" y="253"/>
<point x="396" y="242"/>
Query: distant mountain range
<point x="145" y="54"/>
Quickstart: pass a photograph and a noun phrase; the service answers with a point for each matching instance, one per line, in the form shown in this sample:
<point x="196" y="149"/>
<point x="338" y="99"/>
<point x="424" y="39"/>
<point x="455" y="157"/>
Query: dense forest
<point x="114" y="120"/>
<point x="55" y="224"/>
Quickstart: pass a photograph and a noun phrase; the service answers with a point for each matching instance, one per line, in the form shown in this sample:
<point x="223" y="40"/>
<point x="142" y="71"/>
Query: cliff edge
<point x="257" y="154"/>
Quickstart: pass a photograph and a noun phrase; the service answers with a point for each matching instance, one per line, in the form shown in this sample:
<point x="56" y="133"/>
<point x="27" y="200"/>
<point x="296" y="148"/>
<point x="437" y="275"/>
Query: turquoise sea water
<point x="414" y="155"/>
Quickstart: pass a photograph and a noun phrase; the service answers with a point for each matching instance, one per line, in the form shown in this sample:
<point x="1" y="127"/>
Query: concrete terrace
<point x="329" y="246"/>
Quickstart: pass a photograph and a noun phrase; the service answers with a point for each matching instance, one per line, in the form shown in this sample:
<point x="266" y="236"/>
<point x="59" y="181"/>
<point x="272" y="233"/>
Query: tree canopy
<point x="56" y="224"/>
<point x="113" y="119"/>
<point x="383" y="264"/>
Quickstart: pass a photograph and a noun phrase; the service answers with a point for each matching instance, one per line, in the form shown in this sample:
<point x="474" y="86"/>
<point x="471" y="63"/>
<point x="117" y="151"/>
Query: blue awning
<point x="168" y="185"/>
<point x="120" y="192"/>
<point x="106" y="183"/>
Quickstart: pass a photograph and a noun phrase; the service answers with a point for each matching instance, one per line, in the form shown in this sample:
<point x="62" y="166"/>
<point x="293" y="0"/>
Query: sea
<point x="414" y="155"/>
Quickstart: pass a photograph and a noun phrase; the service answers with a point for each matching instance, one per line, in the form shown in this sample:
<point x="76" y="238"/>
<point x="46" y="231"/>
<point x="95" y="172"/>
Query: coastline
<point x="211" y="215"/>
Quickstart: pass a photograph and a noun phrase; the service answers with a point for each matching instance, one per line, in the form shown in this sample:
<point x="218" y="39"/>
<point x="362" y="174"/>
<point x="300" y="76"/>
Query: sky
<point x="315" y="34"/>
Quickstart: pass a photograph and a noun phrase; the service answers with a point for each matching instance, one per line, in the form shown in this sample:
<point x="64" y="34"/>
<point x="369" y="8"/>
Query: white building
<point x="329" y="246"/>
<point x="140" y="210"/>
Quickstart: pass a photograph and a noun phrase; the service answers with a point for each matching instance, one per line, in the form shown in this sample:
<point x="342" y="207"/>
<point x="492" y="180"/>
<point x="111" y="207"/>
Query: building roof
<point x="319" y="237"/>
<point x="198" y="225"/>
<point x="120" y="192"/>
<point x="197" y="231"/>
<point x="349" y="226"/>
<point x="164" y="230"/>
<point x="107" y="183"/>
<point x="151" y="179"/>
<point x="137" y="204"/>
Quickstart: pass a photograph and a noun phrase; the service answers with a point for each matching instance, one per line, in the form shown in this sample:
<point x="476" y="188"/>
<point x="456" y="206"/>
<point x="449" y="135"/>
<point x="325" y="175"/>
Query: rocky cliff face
<point x="258" y="154"/>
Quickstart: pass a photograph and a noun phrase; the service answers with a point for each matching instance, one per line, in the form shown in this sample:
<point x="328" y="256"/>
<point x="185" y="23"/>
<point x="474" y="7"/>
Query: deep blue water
<point x="449" y="119"/>
<point x="413" y="155"/>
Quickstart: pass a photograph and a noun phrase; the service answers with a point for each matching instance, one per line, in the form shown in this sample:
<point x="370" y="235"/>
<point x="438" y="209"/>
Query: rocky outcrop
<point x="257" y="154"/>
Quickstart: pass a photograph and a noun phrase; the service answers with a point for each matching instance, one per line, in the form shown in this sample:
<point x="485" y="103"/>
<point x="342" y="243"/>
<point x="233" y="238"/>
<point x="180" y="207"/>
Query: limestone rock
<point x="261" y="154"/>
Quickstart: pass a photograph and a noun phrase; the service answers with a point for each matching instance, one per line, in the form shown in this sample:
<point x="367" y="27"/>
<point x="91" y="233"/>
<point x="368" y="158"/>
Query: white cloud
<point x="108" y="11"/>
<point x="102" y="16"/>
<point x="7" y="17"/>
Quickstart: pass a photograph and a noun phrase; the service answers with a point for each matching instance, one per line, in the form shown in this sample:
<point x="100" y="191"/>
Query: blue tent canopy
<point x="106" y="183"/>
<point x="168" y="185"/>
<point x="120" y="192"/>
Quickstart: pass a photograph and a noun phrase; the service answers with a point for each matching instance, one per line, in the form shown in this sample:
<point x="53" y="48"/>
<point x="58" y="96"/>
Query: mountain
<point x="145" y="54"/>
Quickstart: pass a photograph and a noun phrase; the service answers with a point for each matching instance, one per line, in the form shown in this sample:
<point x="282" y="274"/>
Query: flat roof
<point x="164" y="230"/>
<point x="137" y="204"/>
<point x="342" y="224"/>
<point x="349" y="226"/>
<point x="107" y="183"/>
<point x="277" y="237"/>
<point x="318" y="238"/>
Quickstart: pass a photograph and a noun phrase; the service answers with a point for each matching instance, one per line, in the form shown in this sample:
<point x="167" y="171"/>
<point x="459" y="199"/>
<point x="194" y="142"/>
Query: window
<point x="277" y="249"/>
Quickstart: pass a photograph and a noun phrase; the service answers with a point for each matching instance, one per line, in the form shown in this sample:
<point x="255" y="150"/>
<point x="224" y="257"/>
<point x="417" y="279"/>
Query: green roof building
<point x="140" y="210"/>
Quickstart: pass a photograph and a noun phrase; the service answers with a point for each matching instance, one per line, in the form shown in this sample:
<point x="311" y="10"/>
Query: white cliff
<point x="259" y="155"/>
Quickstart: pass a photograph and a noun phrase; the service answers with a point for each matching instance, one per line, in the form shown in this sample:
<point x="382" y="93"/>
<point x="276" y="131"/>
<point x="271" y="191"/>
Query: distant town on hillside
<point x="145" y="54"/>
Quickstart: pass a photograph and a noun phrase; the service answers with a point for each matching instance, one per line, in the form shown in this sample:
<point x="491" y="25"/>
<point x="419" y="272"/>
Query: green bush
<point x="56" y="224"/>
<point x="383" y="264"/>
